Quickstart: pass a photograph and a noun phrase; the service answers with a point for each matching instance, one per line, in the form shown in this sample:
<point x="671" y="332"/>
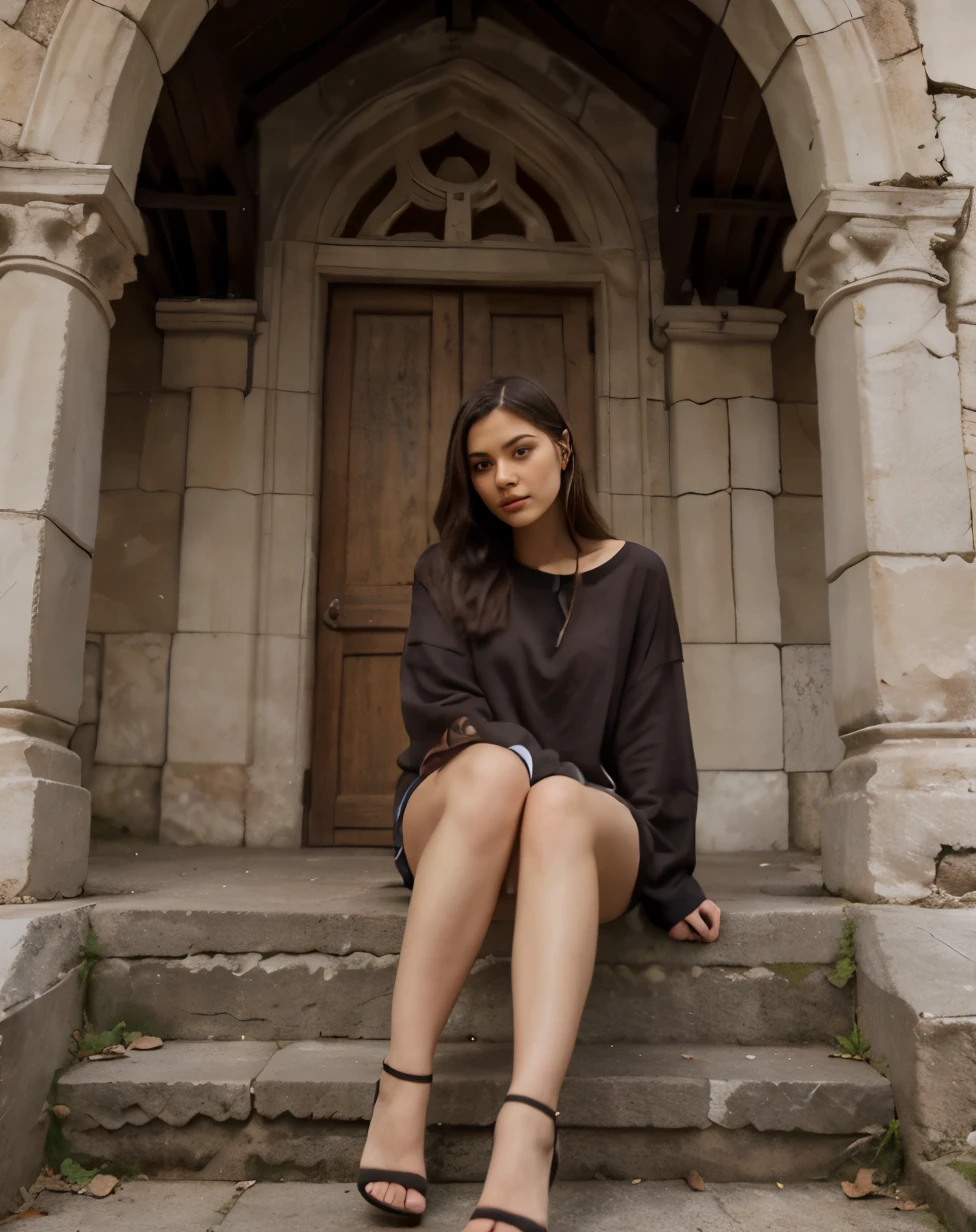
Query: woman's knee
<point x="555" y="814"/>
<point x="486" y="788"/>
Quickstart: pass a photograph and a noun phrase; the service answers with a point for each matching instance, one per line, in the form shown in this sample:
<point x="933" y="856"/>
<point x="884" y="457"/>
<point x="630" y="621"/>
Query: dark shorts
<point x="400" y="856"/>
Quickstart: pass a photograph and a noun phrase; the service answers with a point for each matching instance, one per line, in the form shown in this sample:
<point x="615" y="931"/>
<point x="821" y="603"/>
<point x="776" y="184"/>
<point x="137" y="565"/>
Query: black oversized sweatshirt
<point x="607" y="706"/>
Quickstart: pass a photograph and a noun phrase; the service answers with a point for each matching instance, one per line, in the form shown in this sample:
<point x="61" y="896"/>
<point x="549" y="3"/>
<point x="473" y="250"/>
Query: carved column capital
<point x="74" y="222"/>
<point x="853" y="236"/>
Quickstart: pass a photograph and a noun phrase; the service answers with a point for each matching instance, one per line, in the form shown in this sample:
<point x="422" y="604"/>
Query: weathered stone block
<point x="799" y="536"/>
<point x="168" y="27"/>
<point x="203" y="805"/>
<point x="226" y="446"/>
<point x="173" y="1084"/>
<point x="125" y="799"/>
<point x="91" y="680"/>
<point x="35" y="1045"/>
<point x="808" y="790"/>
<point x="657" y="465"/>
<point x="125" y="425"/>
<point x="799" y="435"/>
<point x="219" y="561"/>
<point x="132" y="727"/>
<point x="296" y="344"/>
<point x="53" y="355"/>
<point x="947" y="33"/>
<point x="757" y="600"/>
<point x="22" y="59"/>
<point x="46" y="578"/>
<point x="810" y="729"/>
<point x="136" y="352"/>
<point x="275" y="808"/>
<point x="626" y="517"/>
<point x="891" y="352"/>
<point x="893" y="806"/>
<point x="211" y="359"/>
<point x="742" y="810"/>
<point x="82" y="742"/>
<point x="44" y="812"/>
<point x="754" y="443"/>
<point x="135" y="566"/>
<point x="626" y="445"/>
<point x="38" y="950"/>
<point x="290" y="466"/>
<point x="211" y="692"/>
<point x="163" y="466"/>
<point x="903" y="630"/>
<point x="735" y="699"/>
<point x="704" y="533"/>
<point x="288" y="587"/>
<point x="699" y="447"/>
<point x="957" y="873"/>
<point x="906" y="84"/>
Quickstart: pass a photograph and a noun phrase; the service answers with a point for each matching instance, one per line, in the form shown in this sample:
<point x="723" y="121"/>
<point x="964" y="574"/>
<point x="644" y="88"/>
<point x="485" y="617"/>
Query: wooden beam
<point x="313" y="62"/>
<point x="147" y="199"/>
<point x="542" y="18"/>
<point x="737" y="207"/>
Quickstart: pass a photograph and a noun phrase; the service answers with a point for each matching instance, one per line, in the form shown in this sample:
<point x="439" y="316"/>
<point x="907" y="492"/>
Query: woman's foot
<point x="395" y="1140"/>
<point x="518" y="1175"/>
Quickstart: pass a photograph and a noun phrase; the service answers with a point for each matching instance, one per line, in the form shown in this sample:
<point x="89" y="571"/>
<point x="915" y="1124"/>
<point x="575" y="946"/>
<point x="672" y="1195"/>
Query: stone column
<point x="725" y="472"/>
<point x="206" y="351"/>
<point x="899" y="536"/>
<point x="68" y="235"/>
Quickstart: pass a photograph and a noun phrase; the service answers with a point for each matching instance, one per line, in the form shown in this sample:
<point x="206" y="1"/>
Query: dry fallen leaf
<point x="61" y="1111"/>
<point x="906" y="1204"/>
<point x="636" y="1181"/>
<point x="242" y="1185"/>
<point x="102" y="1185"/>
<point x="598" y="1176"/>
<point x="687" y="1056"/>
<point x="694" y="1180"/>
<point x="35" y="1212"/>
<point x="862" y="1187"/>
<point x="779" y="1185"/>
<point x="145" y="1043"/>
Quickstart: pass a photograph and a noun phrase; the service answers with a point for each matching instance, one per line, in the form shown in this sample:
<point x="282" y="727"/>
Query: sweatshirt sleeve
<point x="654" y="760"/>
<point x="444" y="708"/>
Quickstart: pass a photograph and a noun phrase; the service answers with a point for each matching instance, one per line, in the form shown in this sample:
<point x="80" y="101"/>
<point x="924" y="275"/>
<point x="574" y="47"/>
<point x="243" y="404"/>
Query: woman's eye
<point x="522" y="449"/>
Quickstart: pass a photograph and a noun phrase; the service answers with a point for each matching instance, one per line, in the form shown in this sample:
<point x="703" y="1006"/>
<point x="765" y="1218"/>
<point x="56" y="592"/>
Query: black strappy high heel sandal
<point x="520" y="1221"/>
<point x="409" y="1180"/>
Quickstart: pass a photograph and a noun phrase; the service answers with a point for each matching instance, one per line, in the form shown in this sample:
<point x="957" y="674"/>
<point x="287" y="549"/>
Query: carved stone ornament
<point x="853" y="236"/>
<point x="75" y="222"/>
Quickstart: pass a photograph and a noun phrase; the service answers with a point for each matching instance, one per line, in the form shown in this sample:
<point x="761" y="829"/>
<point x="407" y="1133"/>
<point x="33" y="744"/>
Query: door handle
<point x="331" y="615"/>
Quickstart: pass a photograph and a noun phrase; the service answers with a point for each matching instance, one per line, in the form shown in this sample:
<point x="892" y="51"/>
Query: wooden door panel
<point x="544" y="337"/>
<point x="394" y="364"/>
<point x="389" y="442"/>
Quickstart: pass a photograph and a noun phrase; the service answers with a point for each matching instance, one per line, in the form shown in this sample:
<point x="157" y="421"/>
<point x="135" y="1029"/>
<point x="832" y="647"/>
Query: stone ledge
<point x="173" y="1084"/>
<point x="39" y="945"/>
<point x="612" y="1087"/>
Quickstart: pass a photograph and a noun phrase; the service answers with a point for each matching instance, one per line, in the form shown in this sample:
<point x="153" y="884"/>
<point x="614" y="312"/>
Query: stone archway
<point x="94" y="98"/>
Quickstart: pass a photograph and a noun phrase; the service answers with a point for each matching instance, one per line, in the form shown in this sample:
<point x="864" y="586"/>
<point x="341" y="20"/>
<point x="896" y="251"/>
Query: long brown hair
<point x="473" y="582"/>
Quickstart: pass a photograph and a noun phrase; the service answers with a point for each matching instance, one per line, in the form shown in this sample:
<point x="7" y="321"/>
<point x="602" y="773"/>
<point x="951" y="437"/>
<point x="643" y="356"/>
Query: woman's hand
<point x="702" y="925"/>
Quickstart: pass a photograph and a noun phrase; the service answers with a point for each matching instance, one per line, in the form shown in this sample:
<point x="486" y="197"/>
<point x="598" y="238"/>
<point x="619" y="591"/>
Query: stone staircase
<point x="269" y="975"/>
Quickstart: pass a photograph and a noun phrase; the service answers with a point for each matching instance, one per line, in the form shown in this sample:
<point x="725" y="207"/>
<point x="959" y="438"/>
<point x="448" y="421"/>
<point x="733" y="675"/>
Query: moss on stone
<point x="795" y="972"/>
<point x="966" y="1168"/>
<point x="846" y="963"/>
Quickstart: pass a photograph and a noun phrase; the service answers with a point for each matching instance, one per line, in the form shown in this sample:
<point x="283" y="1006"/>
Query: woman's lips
<point x="515" y="504"/>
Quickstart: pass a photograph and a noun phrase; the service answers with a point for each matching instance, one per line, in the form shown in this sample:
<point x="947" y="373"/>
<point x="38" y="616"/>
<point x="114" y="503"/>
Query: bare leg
<point x="578" y="860"/>
<point x="459" y="830"/>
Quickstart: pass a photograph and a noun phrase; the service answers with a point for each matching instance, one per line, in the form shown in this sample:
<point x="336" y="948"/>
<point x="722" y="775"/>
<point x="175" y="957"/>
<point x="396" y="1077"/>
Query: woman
<point x="543" y="695"/>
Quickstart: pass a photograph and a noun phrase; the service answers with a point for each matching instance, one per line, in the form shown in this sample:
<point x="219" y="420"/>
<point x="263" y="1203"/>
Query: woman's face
<point x="515" y="467"/>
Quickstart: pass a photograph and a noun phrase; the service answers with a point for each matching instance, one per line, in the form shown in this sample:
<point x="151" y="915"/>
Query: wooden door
<point x="398" y="362"/>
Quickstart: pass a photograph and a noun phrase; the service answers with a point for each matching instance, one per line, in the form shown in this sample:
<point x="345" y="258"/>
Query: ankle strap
<point x="398" y="1073"/>
<point x="533" y="1103"/>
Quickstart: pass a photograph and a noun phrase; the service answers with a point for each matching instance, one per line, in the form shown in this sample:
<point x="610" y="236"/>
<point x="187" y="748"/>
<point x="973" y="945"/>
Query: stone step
<point x="307" y="996"/>
<point x="231" y="1110"/>
<point x="302" y="944"/>
<point x="206" y="1206"/>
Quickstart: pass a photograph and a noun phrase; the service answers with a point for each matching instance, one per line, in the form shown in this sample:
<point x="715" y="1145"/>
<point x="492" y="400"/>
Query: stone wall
<point x="749" y="572"/>
<point x="26" y="27"/>
<point x="121" y="737"/>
